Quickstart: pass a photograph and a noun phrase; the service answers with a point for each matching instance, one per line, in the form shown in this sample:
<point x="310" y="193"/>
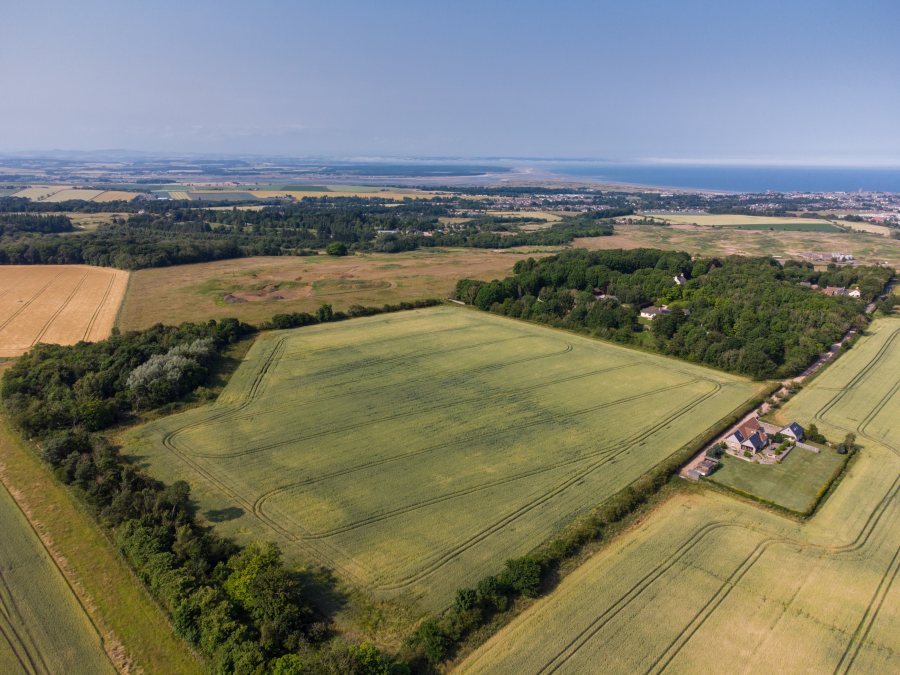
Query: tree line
<point x="749" y="316"/>
<point x="176" y="233"/>
<point x="15" y="223"/>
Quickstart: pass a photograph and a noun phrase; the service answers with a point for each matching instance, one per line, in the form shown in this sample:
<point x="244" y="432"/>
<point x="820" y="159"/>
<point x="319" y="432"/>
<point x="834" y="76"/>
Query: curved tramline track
<point x="696" y="538"/>
<point x="869" y="539"/>
<point x="315" y="415"/>
<point x="293" y="405"/>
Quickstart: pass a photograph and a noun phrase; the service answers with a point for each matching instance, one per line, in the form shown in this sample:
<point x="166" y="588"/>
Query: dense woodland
<point x="16" y="223"/>
<point x="175" y="233"/>
<point x="744" y="315"/>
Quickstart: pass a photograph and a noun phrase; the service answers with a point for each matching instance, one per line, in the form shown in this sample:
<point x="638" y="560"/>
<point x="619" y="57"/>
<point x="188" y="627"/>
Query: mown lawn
<point x="793" y="484"/>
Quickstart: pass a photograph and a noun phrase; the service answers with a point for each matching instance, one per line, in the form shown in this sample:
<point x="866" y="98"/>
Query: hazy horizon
<point x="765" y="83"/>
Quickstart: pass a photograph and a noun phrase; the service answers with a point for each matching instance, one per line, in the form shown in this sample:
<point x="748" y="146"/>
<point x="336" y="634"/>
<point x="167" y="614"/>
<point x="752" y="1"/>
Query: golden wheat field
<point x="708" y="583"/>
<point x="60" y="304"/>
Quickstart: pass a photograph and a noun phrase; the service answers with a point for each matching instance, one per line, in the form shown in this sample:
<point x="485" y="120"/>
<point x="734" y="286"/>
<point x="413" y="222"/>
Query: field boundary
<point x="111" y="646"/>
<point x="111" y="602"/>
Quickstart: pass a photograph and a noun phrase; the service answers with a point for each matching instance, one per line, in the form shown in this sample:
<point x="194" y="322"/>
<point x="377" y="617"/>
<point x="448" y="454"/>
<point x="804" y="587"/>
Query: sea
<point x="732" y="178"/>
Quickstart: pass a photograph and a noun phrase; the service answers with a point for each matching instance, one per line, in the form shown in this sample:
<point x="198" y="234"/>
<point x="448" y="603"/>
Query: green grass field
<point x="795" y="483"/>
<point x="712" y="584"/>
<point x="43" y="629"/>
<point x="413" y="453"/>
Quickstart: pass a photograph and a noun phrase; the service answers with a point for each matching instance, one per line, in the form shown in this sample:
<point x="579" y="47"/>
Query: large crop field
<point x="62" y="193"/>
<point x="413" y="453"/>
<point x="253" y="289"/>
<point x="747" y="222"/>
<point x="866" y="247"/>
<point x="711" y="584"/>
<point x="43" y="629"/>
<point x="59" y="304"/>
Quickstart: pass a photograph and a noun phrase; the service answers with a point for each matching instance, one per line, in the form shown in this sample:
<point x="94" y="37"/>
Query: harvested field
<point x="60" y="304"/>
<point x="198" y="292"/>
<point x="43" y="629"/>
<point x="115" y="195"/>
<point x="75" y="193"/>
<point x="40" y="192"/>
<point x="394" y="194"/>
<point x="710" y="584"/>
<point x="61" y="193"/>
<point x="413" y="453"/>
<point x="867" y="248"/>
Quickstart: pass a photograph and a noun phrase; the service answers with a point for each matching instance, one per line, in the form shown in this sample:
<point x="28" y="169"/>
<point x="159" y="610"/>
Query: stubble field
<point x="711" y="584"/>
<point x="264" y="286"/>
<point x="413" y="453"/>
<point x="60" y="304"/>
<point x="43" y="629"/>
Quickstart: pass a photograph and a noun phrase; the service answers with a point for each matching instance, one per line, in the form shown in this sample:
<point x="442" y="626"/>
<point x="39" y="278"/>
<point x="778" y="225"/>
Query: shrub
<point x="336" y="248"/>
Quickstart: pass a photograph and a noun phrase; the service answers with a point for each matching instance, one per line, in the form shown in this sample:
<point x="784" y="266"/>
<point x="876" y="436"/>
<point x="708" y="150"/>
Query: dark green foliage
<point x="813" y="435"/>
<point x="523" y="575"/>
<point x="171" y="233"/>
<point x="433" y="641"/>
<point x="326" y="313"/>
<point x="744" y="315"/>
<point x="92" y="385"/>
<point x="13" y="223"/>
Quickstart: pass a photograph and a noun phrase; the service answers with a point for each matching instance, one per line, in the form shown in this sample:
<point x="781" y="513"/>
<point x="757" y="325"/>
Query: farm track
<point x="20" y="641"/>
<point x="59" y="310"/>
<point x="870" y="616"/>
<point x="861" y="376"/>
<point x="478" y="537"/>
<point x="865" y="625"/>
<point x="293" y="404"/>
<point x="621" y="447"/>
<point x="100" y="306"/>
<point x="861" y="539"/>
<point x="414" y="453"/>
<point x="169" y="441"/>
<point x="28" y="302"/>
<point x="373" y="393"/>
<point x="291" y="534"/>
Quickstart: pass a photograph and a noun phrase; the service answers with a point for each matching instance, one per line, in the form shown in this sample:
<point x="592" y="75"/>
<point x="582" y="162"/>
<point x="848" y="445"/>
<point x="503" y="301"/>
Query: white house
<point x="793" y="430"/>
<point x="854" y="292"/>
<point x="653" y="312"/>
<point x="679" y="279"/>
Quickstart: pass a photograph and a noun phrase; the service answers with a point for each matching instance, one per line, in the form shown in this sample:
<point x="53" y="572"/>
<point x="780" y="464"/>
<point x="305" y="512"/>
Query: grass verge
<point x="135" y="632"/>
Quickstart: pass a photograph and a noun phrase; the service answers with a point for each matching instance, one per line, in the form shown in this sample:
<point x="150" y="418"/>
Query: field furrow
<point x="60" y="304"/>
<point x="349" y="442"/>
<point x="770" y="594"/>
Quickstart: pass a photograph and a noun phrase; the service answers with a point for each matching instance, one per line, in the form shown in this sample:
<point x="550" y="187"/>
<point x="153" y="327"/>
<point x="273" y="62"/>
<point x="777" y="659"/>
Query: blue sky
<point x="760" y="81"/>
